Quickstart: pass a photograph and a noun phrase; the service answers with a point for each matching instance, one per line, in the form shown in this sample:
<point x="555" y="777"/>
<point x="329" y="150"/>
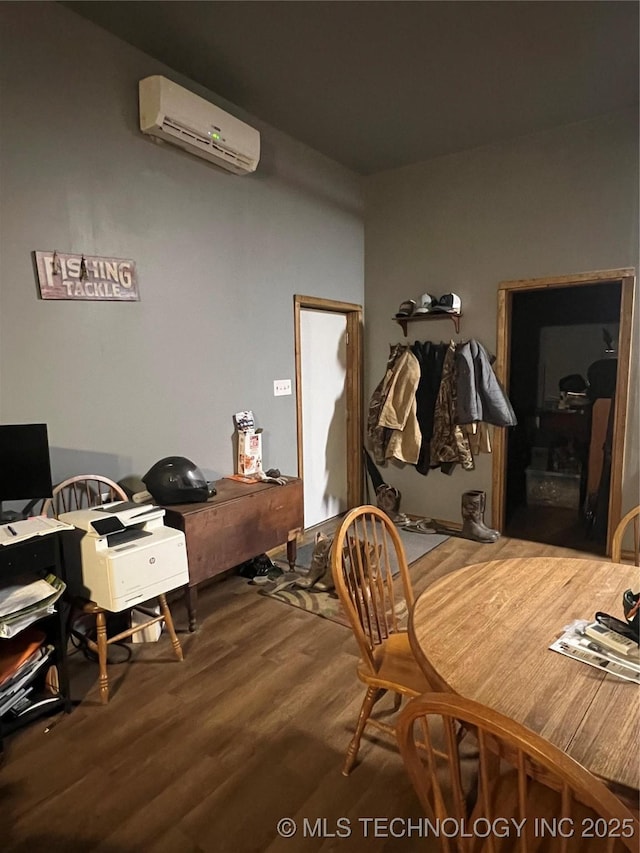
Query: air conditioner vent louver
<point x="178" y="116"/>
<point x="174" y="127"/>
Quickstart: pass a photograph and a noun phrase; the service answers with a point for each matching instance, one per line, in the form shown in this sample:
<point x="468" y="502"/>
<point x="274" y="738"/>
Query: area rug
<point x="327" y="604"/>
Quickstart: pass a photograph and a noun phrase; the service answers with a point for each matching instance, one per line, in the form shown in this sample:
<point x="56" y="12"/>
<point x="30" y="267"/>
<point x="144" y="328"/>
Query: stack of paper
<point x="575" y="645"/>
<point x="21" y="659"/>
<point x="19" y="531"/>
<point x="25" y="600"/>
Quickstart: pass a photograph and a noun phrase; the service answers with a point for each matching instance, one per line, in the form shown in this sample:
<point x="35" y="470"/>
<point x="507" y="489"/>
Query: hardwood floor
<point x="209" y="754"/>
<point x="555" y="526"/>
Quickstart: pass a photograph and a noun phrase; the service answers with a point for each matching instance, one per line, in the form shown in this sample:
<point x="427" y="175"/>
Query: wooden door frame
<point x="353" y="387"/>
<point x="506" y="289"/>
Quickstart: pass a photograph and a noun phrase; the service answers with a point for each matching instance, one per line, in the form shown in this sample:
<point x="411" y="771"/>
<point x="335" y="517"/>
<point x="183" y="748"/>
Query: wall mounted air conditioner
<point x="179" y="116"/>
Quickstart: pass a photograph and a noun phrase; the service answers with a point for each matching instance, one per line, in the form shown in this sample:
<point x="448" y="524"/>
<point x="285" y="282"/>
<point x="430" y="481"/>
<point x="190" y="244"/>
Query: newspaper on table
<point x="574" y="644"/>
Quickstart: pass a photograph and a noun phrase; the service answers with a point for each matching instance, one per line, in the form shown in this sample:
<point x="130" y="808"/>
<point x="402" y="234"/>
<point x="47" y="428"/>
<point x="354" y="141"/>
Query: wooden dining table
<point x="484" y="632"/>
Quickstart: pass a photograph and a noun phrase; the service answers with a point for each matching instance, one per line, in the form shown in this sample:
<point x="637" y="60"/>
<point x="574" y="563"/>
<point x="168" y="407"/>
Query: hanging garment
<point x="398" y="412"/>
<point x="431" y="358"/>
<point x="479" y="394"/>
<point x="449" y="443"/>
<point x="379" y="435"/>
<point x="479" y="437"/>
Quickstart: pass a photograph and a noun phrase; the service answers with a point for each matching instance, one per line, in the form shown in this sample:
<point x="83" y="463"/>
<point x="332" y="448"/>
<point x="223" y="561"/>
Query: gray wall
<point x="219" y="259"/>
<point x="557" y="203"/>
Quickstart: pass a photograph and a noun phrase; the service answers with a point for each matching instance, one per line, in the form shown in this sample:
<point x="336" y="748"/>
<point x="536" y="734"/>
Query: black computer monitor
<point x="25" y="467"/>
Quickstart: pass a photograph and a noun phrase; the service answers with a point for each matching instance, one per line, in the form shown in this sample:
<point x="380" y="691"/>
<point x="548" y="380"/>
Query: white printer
<point x="121" y="554"/>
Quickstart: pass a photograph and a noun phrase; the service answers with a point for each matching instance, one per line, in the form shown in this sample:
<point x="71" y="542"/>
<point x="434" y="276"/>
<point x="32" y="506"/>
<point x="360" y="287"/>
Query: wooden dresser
<point x="238" y="523"/>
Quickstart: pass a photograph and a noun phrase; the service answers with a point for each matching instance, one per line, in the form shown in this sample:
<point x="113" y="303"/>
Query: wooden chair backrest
<point x="616" y="543"/>
<point x="543" y="781"/>
<point x="82" y="492"/>
<point x="366" y="552"/>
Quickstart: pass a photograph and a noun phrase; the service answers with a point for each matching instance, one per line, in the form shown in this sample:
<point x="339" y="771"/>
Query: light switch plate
<point x="281" y="387"/>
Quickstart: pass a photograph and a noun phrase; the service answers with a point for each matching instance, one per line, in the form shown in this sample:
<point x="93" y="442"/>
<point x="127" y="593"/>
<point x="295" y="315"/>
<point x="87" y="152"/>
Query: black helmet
<point x="176" y="480"/>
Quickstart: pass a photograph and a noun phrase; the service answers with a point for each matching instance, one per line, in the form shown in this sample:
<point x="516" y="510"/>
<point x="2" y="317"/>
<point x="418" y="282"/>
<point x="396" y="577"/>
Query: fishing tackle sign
<point x="86" y="277"/>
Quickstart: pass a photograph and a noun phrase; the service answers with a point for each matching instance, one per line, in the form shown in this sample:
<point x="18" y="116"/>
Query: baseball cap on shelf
<point x="448" y="304"/>
<point x="406" y="308"/>
<point x="425" y="304"/>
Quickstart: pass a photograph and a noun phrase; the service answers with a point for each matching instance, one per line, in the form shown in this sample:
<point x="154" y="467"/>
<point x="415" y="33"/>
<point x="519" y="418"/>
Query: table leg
<point x="191" y="602"/>
<point x="292" y="549"/>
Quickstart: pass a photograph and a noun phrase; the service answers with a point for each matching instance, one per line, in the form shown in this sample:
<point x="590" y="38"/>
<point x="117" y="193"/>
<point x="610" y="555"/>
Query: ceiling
<point x="377" y="85"/>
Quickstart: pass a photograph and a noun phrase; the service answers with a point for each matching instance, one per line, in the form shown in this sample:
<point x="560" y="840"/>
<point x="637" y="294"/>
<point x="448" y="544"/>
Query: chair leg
<point x="101" y="643"/>
<point x="371" y="697"/>
<point x="168" y="621"/>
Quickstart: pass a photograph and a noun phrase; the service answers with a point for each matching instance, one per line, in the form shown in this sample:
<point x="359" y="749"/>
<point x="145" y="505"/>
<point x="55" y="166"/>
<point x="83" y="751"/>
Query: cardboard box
<point x="249" y="452"/>
<point x="151" y="634"/>
<point x="249" y="444"/>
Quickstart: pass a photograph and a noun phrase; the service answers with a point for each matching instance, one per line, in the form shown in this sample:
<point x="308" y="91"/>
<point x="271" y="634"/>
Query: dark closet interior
<point x="564" y="344"/>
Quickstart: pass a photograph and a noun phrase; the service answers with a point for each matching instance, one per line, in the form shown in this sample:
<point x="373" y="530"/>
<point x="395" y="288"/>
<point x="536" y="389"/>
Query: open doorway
<point x="328" y="350"/>
<point x="563" y="355"/>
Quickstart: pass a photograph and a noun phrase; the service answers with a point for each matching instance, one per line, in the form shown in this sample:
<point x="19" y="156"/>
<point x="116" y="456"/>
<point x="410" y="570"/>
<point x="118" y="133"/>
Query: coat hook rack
<point x="403" y="321"/>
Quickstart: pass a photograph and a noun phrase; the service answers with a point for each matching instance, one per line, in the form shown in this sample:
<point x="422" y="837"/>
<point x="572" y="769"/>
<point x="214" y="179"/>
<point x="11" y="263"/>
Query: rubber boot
<point x="325" y="582"/>
<point x="319" y="562"/>
<point x="483" y="502"/>
<point x="473" y="526"/>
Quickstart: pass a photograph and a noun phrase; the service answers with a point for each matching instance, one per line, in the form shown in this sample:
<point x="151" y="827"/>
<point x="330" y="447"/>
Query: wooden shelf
<point x="403" y="321"/>
<point x="32" y="558"/>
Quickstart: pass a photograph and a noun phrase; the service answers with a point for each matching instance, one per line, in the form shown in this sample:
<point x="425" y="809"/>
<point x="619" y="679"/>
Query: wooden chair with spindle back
<point x="521" y="777"/>
<point x="84" y="492"/>
<point x="632" y="517"/>
<point x="366" y="552"/>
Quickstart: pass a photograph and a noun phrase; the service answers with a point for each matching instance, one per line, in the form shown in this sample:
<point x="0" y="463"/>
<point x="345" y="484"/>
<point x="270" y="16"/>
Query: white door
<point x="323" y="360"/>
